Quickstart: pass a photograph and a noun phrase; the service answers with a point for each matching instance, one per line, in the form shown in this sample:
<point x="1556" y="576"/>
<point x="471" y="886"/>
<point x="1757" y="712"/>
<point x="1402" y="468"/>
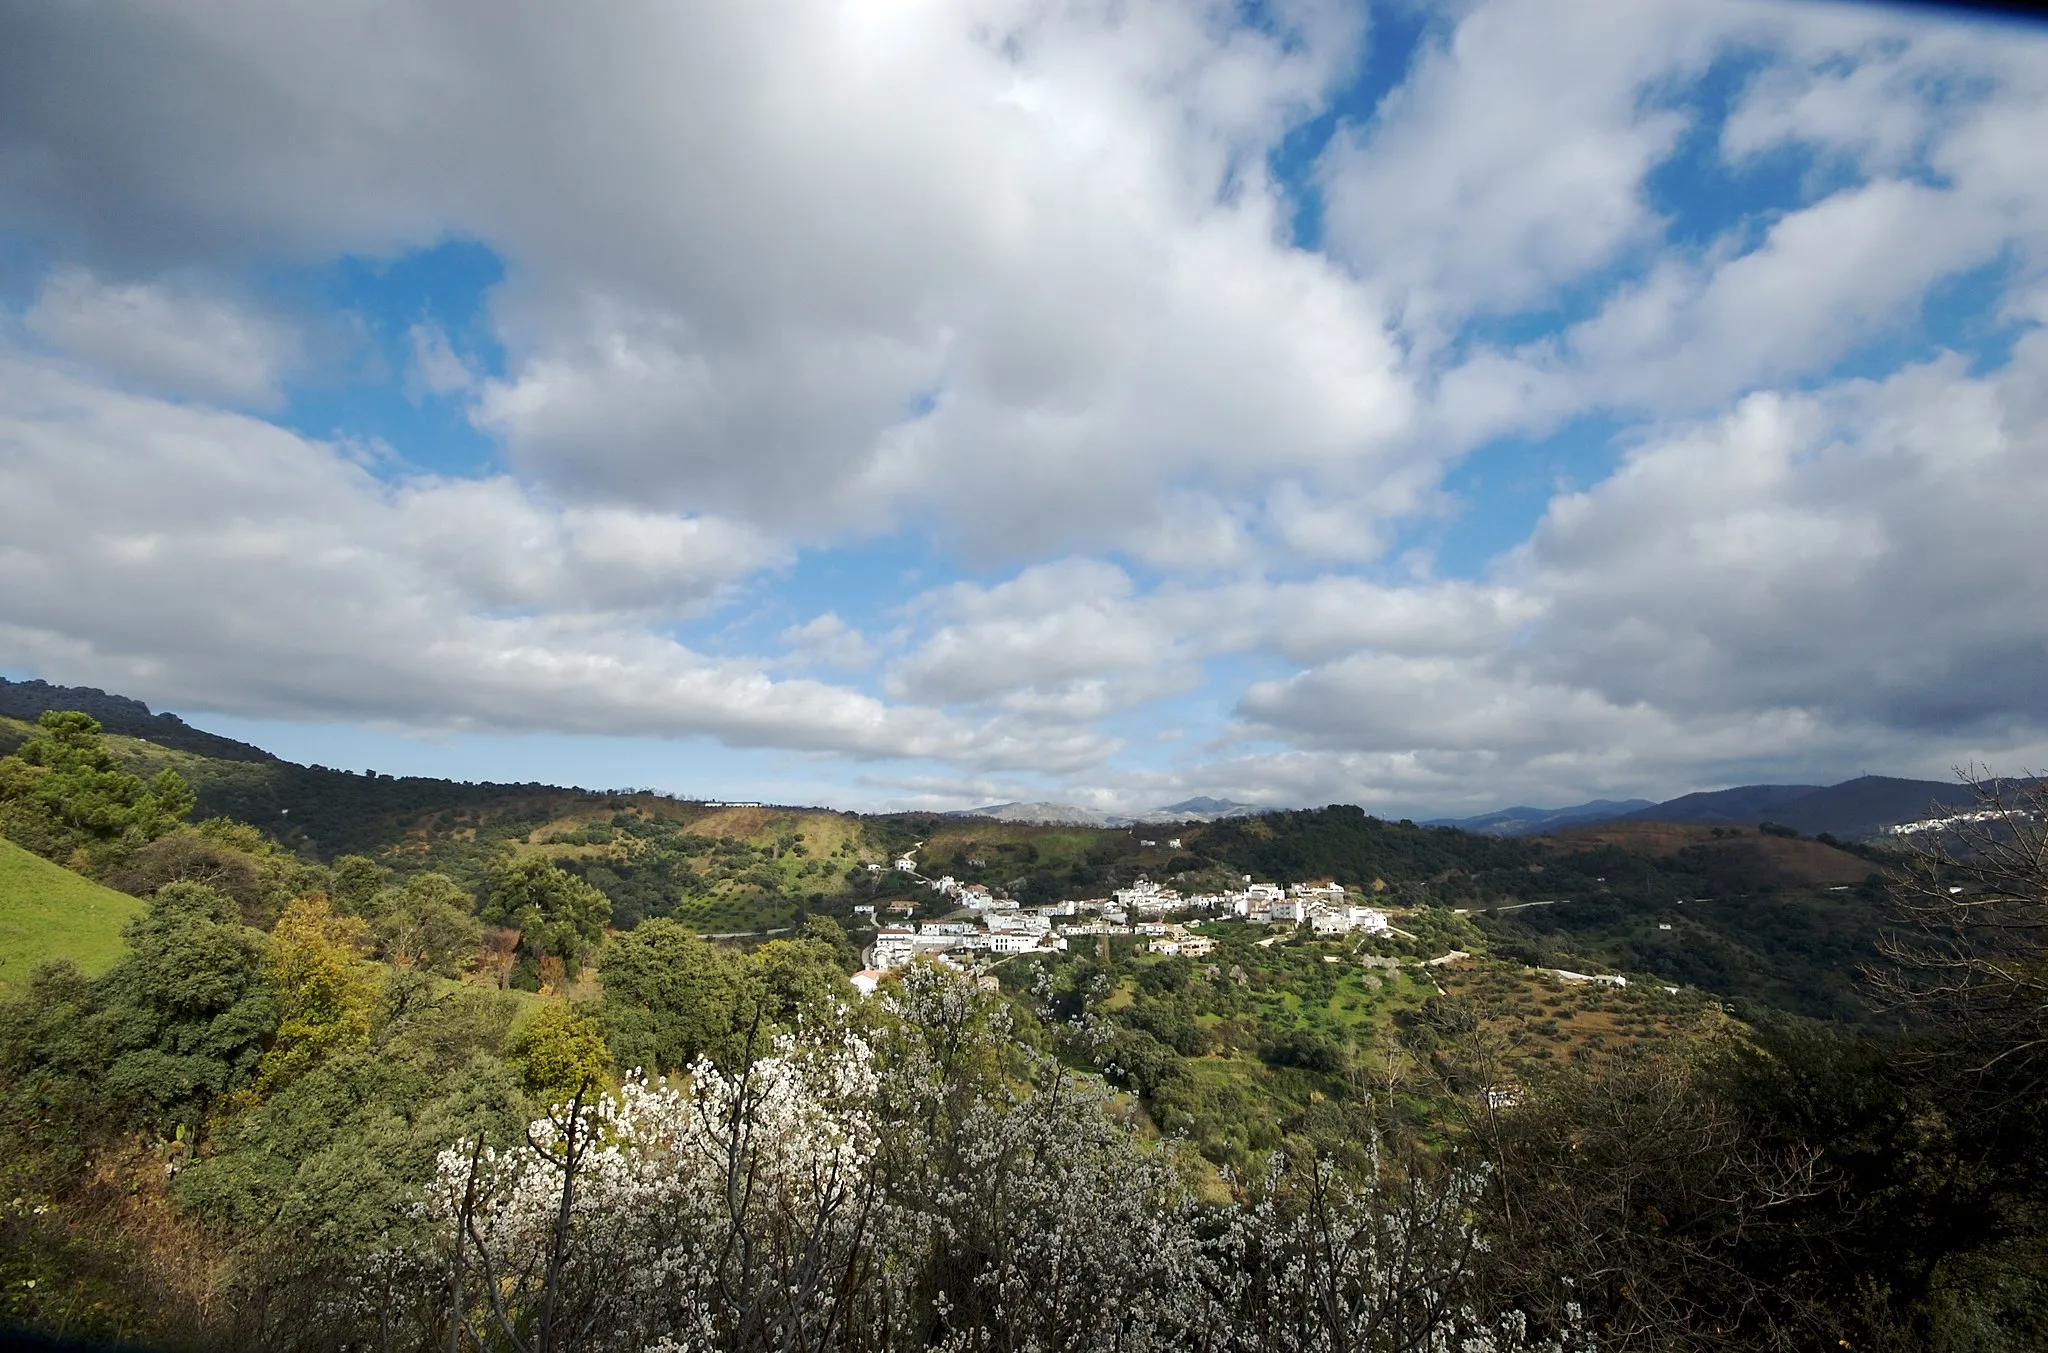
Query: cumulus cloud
<point x="216" y="561"/>
<point x="1807" y="582"/>
<point x="1929" y="166"/>
<point x="1512" y="160"/>
<point x="828" y="641"/>
<point x="435" y="367"/>
<point x="166" y="339"/>
<point x="1060" y="642"/>
<point x="827" y="267"/>
<point x="1859" y="552"/>
<point x="1020" y="281"/>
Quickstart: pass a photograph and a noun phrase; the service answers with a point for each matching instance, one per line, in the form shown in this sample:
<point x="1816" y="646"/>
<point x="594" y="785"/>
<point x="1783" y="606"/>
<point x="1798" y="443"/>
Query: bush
<point x="1305" y="1049"/>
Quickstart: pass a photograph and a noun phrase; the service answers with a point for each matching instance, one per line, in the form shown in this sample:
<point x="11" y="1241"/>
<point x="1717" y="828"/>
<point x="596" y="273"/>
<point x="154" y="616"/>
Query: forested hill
<point x="1743" y="910"/>
<point x="649" y="852"/>
<point x="26" y="700"/>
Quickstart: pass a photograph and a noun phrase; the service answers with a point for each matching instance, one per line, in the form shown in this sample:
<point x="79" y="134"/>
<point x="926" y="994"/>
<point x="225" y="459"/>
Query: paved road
<point x="1513" y="906"/>
<point x="746" y="934"/>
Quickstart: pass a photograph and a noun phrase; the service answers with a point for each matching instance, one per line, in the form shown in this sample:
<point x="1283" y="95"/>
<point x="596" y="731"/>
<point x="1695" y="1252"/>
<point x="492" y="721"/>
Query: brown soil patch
<point x="1540" y="1018"/>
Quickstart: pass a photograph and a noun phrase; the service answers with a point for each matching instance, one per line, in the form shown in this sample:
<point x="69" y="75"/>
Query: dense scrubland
<point x="331" y="1060"/>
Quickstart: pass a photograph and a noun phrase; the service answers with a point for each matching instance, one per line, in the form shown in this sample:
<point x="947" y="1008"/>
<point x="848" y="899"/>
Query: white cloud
<point x="435" y="367"/>
<point x="828" y="641"/>
<point x="828" y="268"/>
<point x="1940" y="127"/>
<point x="1016" y="277"/>
<point x="506" y="549"/>
<point x="1804" y="586"/>
<point x="1059" y="643"/>
<point x="214" y="561"/>
<point x="1512" y="160"/>
<point x="165" y="339"/>
<point x="1863" y="553"/>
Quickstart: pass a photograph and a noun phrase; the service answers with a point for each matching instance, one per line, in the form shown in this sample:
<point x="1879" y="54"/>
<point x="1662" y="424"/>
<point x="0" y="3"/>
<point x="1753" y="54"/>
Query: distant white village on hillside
<point x="1000" y="926"/>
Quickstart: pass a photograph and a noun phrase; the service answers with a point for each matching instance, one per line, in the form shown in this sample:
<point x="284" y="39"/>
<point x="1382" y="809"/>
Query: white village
<point x="983" y="923"/>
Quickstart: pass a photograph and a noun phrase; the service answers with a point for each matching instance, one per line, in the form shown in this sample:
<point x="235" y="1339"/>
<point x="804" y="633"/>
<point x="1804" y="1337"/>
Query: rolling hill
<point x="25" y="700"/>
<point x="1692" y="890"/>
<point x="1522" y="820"/>
<point x="1854" y="810"/>
<point x="48" y="912"/>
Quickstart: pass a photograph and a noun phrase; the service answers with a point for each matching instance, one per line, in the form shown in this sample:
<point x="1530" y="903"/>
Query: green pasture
<point x="48" y="912"/>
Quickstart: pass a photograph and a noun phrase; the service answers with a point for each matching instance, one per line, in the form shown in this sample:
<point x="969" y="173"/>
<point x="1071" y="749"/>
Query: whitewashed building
<point x="894" y="944"/>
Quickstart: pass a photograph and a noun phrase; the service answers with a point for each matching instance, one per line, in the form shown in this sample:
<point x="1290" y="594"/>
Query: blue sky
<point x="920" y="404"/>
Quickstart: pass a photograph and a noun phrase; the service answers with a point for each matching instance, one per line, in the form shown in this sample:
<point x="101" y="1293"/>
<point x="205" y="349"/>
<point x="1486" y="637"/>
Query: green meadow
<point x="48" y="912"/>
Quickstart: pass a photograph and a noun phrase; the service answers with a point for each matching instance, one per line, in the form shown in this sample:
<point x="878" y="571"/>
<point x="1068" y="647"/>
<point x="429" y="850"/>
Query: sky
<point x="931" y="403"/>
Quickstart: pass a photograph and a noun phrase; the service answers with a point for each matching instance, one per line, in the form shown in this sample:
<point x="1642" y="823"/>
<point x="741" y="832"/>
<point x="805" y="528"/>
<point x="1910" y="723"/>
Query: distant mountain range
<point x="1072" y="815"/>
<point x="1855" y="809"/>
<point x="1525" y="821"/>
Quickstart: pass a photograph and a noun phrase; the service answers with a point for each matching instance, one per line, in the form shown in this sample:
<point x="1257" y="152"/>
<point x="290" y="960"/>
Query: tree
<point x="234" y="859"/>
<point x="554" y="913"/>
<point x="427" y="926"/>
<point x="63" y="793"/>
<point x="828" y="932"/>
<point x="188" y="1009"/>
<point x="325" y="992"/>
<point x="1969" y="941"/>
<point x="670" y="997"/>
<point x="357" y="885"/>
<point x="801" y="980"/>
<point x="185" y="856"/>
<point x="561" y="1053"/>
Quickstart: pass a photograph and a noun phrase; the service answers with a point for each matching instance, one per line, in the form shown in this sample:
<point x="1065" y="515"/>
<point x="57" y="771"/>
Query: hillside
<point x="1271" y="1035"/>
<point x="48" y="912"/>
<point x="25" y="700"/>
<point x="1752" y="860"/>
<point x="1854" y="810"/>
<point x="1767" y="914"/>
<point x="1522" y="820"/>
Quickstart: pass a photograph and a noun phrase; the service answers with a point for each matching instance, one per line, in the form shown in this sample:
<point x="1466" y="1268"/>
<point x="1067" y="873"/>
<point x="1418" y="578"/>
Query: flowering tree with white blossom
<point x="926" y="1183"/>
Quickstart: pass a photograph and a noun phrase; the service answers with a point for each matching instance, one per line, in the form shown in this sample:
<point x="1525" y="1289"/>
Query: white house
<point x="1565" y="975"/>
<point x="1341" y="920"/>
<point x="1146" y="896"/>
<point x="894" y="944"/>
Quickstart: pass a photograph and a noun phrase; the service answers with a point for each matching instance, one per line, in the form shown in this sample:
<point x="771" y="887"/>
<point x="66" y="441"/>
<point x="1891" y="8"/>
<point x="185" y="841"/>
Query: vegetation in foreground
<point x="306" y="1108"/>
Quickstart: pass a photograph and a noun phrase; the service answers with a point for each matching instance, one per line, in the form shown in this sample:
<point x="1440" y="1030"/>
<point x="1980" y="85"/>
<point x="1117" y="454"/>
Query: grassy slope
<point x="49" y="912"/>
